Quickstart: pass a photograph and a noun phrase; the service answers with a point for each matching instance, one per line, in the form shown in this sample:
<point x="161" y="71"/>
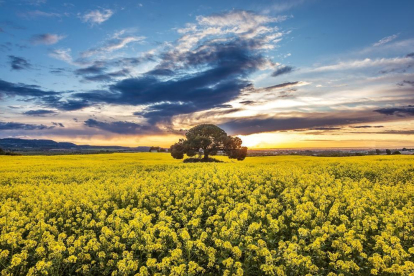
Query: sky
<point x="276" y="73"/>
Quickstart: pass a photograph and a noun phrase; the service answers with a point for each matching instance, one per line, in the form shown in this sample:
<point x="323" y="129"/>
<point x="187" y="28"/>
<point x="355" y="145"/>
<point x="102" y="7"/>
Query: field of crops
<point x="148" y="214"/>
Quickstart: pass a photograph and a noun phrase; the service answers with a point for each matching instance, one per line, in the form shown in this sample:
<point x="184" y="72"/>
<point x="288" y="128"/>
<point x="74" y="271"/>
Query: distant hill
<point x="27" y="145"/>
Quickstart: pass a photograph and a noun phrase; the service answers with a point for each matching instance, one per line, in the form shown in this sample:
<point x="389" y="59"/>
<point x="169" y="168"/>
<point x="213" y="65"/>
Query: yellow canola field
<point x="148" y="214"/>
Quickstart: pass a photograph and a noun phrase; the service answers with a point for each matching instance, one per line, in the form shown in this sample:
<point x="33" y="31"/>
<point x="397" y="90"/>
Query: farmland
<point x="148" y="214"/>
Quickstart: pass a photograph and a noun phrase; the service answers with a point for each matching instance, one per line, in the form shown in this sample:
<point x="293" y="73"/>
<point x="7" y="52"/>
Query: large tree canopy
<point x="210" y="139"/>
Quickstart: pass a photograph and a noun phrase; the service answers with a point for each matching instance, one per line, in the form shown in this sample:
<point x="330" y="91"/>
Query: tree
<point x="388" y="151"/>
<point x="378" y="151"/>
<point x="210" y="139"/>
<point x="154" y="148"/>
<point x="2" y="152"/>
<point x="396" y="152"/>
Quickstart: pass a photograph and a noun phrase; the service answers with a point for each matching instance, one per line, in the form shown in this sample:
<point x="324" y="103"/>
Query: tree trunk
<point x="205" y="155"/>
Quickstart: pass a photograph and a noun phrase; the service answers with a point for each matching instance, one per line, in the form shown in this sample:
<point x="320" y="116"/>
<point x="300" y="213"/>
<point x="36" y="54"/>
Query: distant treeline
<point x="325" y="153"/>
<point x="157" y="149"/>
<point x="3" y="152"/>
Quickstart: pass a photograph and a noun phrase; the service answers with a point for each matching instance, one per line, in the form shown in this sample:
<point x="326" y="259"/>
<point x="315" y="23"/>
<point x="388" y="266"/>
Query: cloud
<point x="284" y="5"/>
<point x="410" y="55"/>
<point x="325" y="128"/>
<point x="283" y="85"/>
<point x="21" y="126"/>
<point x="356" y="64"/>
<point x="19" y="63"/>
<point x="397" y="111"/>
<point x="392" y="132"/>
<point x="98" y="73"/>
<point x="50" y="99"/>
<point x="250" y="125"/>
<point x="244" y="24"/>
<point x="46" y="39"/>
<point x="58" y="124"/>
<point x="97" y="17"/>
<point x="247" y="102"/>
<point x="204" y="69"/>
<point x="96" y="68"/>
<point x="301" y="120"/>
<point x="227" y="64"/>
<point x="385" y="40"/>
<point x="112" y="45"/>
<point x="23" y="90"/>
<point x="58" y="70"/>
<point x="160" y="72"/>
<point x="243" y="20"/>
<point x="62" y="54"/>
<point x="64" y="104"/>
<point x="404" y="82"/>
<point x="36" y="2"/>
<point x="367" y="126"/>
<point x="121" y="127"/>
<point x="282" y="70"/>
<point x="40" y="112"/>
<point x="36" y="13"/>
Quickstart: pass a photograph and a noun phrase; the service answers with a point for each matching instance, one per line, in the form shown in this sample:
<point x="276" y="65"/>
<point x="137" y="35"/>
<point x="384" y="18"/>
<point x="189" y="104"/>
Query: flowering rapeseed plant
<point x="147" y="214"/>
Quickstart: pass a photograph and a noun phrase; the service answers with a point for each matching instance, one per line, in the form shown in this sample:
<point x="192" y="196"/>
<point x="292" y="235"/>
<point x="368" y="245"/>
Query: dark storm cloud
<point x="282" y="70"/>
<point x="410" y="55"/>
<point x="39" y="112"/>
<point x="21" y="126"/>
<point x="19" y="63"/>
<point x="120" y="127"/>
<point x="23" y="90"/>
<point x="397" y="111"/>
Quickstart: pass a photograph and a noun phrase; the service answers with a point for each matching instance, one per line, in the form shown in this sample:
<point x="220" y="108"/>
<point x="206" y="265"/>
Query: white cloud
<point x="385" y="40"/>
<point x="62" y="54"/>
<point x="284" y="5"/>
<point x="363" y="63"/>
<point x="36" y="2"/>
<point x="246" y="25"/>
<point x="112" y="45"/>
<point x="47" y="39"/>
<point x="37" y="13"/>
<point x="97" y="16"/>
<point x="241" y="19"/>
